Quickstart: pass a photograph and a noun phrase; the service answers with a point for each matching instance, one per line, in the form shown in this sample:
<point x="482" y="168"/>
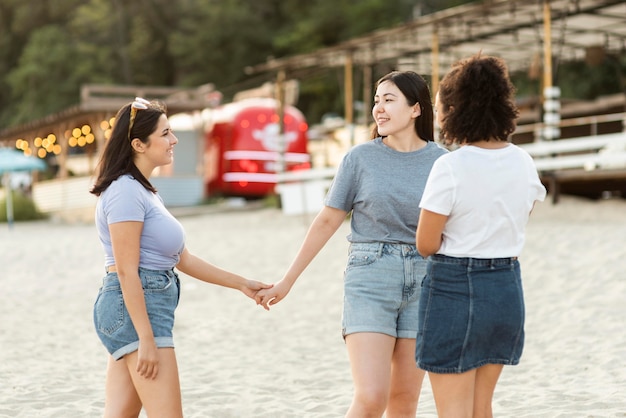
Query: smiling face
<point x="391" y="111"/>
<point x="158" y="150"/>
<point x="161" y="143"/>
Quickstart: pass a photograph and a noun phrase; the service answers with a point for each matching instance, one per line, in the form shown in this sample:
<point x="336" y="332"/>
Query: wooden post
<point x="367" y="93"/>
<point x="348" y="96"/>
<point x="547" y="45"/>
<point x="280" y="110"/>
<point x="551" y="93"/>
<point x="435" y="63"/>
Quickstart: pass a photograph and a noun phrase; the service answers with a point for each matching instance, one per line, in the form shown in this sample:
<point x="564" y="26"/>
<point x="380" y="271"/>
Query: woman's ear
<point x="137" y="145"/>
<point x="417" y="110"/>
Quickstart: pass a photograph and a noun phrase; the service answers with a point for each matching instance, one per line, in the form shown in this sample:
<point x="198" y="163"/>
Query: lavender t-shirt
<point x="162" y="236"/>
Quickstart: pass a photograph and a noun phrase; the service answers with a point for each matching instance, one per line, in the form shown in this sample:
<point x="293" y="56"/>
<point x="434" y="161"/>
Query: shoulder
<point x="124" y="186"/>
<point x="366" y="147"/>
<point x="362" y="150"/>
<point x="435" y="148"/>
<point x="520" y="150"/>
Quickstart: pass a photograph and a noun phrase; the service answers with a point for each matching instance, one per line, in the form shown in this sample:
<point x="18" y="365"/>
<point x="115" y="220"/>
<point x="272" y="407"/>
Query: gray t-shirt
<point x="382" y="187"/>
<point x="162" y="236"/>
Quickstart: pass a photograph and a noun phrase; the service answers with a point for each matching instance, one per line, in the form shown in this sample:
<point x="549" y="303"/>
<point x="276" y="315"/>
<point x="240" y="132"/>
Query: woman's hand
<point x="252" y="288"/>
<point x="268" y="297"/>
<point x="147" y="359"/>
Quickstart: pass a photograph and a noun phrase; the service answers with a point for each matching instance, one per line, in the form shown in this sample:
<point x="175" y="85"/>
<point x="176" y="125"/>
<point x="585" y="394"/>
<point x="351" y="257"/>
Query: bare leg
<point x="486" y="378"/>
<point x="454" y="394"/>
<point x="121" y="399"/>
<point x="370" y="359"/>
<point x="406" y="381"/>
<point x="160" y="397"/>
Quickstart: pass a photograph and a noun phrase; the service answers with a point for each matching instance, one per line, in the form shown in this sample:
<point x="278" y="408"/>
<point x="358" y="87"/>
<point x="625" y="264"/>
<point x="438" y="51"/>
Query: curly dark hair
<point x="415" y="89"/>
<point x="117" y="157"/>
<point x="477" y="101"/>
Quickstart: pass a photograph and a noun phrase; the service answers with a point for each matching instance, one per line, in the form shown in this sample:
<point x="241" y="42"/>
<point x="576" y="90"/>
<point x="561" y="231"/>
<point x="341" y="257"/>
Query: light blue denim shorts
<point x="382" y="288"/>
<point x="113" y="325"/>
<point x="471" y="314"/>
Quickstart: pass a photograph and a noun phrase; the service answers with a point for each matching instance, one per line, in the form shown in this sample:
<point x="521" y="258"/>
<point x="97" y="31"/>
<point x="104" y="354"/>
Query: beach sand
<point x="237" y="360"/>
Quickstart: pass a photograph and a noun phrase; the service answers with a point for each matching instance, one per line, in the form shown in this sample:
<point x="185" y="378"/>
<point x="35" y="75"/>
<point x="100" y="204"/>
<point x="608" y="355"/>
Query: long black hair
<point x="117" y="157"/>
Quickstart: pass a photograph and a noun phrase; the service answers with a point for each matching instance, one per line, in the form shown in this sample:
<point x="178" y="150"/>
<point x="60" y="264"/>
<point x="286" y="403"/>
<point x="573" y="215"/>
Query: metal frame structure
<point x="511" y="29"/>
<point x="527" y="34"/>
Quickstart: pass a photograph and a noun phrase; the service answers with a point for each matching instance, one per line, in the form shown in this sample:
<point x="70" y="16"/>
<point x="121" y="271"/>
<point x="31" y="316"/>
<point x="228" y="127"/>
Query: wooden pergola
<point x="530" y="35"/>
<point x="100" y="103"/>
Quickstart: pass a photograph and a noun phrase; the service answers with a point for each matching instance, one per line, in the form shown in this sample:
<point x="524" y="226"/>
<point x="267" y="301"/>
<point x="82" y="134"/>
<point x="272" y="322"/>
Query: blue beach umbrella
<point x="12" y="160"/>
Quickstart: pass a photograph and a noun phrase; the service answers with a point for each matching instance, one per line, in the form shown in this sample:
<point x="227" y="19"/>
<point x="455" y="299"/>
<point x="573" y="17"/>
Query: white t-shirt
<point x="487" y="195"/>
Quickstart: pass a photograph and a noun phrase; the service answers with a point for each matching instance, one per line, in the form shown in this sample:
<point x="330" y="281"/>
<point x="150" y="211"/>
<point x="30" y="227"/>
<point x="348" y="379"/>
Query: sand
<point x="237" y="360"/>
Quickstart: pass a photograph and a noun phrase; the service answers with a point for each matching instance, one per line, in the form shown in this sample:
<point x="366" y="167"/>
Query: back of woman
<point x="494" y="189"/>
<point x="474" y="209"/>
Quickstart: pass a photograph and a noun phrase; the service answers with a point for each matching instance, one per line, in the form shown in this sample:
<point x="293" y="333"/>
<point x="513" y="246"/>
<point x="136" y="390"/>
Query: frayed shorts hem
<point x="463" y="369"/>
<point x="161" y="342"/>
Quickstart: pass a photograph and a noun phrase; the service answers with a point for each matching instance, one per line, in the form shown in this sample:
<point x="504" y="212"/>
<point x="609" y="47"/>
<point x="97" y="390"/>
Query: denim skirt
<point x="381" y="289"/>
<point x="161" y="290"/>
<point x="471" y="313"/>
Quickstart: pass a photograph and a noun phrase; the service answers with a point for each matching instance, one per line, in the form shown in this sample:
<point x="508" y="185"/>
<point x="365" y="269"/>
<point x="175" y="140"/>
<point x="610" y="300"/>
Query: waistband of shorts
<point x="112" y="270"/>
<point x="385" y="248"/>
<point x="470" y="261"/>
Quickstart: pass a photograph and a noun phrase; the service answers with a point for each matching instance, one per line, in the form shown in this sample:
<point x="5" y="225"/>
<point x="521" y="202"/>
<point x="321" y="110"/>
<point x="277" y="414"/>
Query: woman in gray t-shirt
<point x="380" y="183"/>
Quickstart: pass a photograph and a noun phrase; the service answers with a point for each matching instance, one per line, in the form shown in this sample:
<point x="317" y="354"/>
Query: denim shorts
<point x="113" y="325"/>
<point x="471" y="314"/>
<point x="381" y="289"/>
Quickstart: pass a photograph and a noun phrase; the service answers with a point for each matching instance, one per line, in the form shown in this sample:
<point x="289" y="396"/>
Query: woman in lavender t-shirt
<point x="143" y="243"/>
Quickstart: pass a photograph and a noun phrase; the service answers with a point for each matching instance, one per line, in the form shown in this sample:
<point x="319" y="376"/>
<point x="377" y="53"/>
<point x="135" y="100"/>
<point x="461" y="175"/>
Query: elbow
<point x="426" y="249"/>
<point x="425" y="252"/>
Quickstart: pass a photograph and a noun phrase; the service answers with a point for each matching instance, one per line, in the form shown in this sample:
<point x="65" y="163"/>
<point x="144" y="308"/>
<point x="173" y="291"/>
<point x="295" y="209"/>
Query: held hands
<point x="272" y="296"/>
<point x="251" y="288"/>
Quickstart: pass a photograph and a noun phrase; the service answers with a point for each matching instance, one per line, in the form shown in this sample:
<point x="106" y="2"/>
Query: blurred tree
<point x="217" y="40"/>
<point x="19" y="20"/>
<point x="46" y="78"/>
<point x="48" y="49"/>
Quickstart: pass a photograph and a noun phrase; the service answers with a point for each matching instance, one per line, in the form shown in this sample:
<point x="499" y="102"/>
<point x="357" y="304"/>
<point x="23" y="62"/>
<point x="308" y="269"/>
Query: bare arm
<point x="202" y="270"/>
<point x="429" y="232"/>
<point x="325" y="224"/>
<point x="125" y="238"/>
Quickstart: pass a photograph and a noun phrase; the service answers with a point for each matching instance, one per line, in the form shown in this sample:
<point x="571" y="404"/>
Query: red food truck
<point x="244" y="148"/>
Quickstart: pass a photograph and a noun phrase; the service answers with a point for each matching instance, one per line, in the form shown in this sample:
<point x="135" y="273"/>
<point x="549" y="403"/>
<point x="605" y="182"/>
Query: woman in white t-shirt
<point x="143" y="243"/>
<point x="474" y="210"/>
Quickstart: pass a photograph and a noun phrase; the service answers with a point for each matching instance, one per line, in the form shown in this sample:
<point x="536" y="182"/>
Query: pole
<point x="435" y="63"/>
<point x="9" y="198"/>
<point x="551" y="93"/>
<point x="547" y="45"/>
<point x="280" y="98"/>
<point x="349" y="97"/>
<point x="367" y="93"/>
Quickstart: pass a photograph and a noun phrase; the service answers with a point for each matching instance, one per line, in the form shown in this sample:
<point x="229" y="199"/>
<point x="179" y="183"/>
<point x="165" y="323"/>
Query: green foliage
<point x="217" y="40"/>
<point x="46" y="56"/>
<point x="24" y="208"/>
<point x="49" y="48"/>
<point x="582" y="81"/>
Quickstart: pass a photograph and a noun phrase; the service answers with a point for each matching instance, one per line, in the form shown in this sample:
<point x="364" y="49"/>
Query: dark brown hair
<point x="477" y="100"/>
<point x="415" y="89"/>
<point x="117" y="157"/>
